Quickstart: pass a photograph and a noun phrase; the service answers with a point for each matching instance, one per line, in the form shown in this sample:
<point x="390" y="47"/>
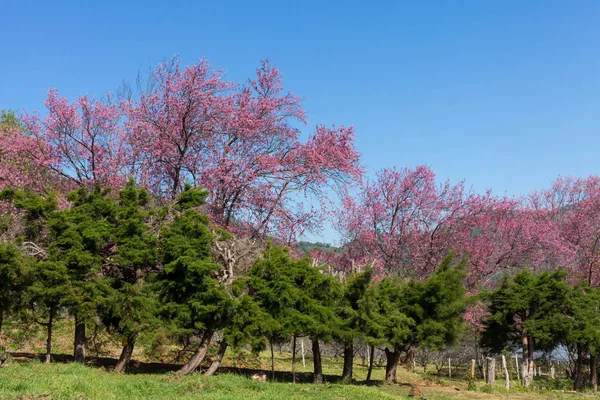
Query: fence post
<point x="506" y="376"/>
<point x="491" y="371"/>
<point x="483" y="367"/>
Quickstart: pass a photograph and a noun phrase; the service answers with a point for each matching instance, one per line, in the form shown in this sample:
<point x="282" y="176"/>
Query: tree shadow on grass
<point x="107" y="363"/>
<point x="138" y="367"/>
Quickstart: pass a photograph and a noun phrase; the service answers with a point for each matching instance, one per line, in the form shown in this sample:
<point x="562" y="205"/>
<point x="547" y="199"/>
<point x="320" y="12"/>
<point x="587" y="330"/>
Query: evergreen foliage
<point x="528" y="303"/>
<point x="12" y="274"/>
<point x="122" y="262"/>
<point x="528" y="310"/>
<point x="300" y="300"/>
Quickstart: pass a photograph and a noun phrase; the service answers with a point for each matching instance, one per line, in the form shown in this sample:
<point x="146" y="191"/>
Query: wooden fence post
<point x="483" y="367"/>
<point x="491" y="371"/>
<point x="506" y="376"/>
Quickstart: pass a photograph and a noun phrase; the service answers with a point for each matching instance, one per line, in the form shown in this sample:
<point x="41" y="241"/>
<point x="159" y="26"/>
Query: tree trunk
<point x="214" y="366"/>
<point x="1" y="321"/>
<point x="272" y="362"/>
<point x="126" y="353"/>
<point x="409" y="360"/>
<point x="294" y="359"/>
<point x="393" y="357"/>
<point x="80" y="341"/>
<point x="317" y="365"/>
<point x="491" y="371"/>
<point x="348" y="362"/>
<point x="578" y="377"/>
<point x="527" y="363"/>
<point x="49" y="339"/>
<point x="371" y="356"/>
<point x="197" y="358"/>
<point x="593" y="372"/>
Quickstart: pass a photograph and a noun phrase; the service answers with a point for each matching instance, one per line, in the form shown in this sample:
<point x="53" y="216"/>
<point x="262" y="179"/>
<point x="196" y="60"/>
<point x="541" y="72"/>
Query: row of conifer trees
<point x="136" y="266"/>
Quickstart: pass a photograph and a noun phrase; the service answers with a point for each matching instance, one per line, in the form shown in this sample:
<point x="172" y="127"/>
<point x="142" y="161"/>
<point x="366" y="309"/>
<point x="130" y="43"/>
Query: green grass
<point x="34" y="380"/>
<point x="70" y="381"/>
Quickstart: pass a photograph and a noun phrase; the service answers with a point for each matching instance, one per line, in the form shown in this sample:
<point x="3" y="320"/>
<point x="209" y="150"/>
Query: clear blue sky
<point x="504" y="94"/>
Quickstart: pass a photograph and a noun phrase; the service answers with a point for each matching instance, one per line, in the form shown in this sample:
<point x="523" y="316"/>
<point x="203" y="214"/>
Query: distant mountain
<point x="308" y="247"/>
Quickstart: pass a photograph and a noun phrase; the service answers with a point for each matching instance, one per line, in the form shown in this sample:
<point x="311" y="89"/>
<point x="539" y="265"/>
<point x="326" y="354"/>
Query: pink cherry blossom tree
<point x="403" y="220"/>
<point x="574" y="208"/>
<point x="81" y="141"/>
<point x="24" y="160"/>
<point x="501" y="234"/>
<point x="242" y="144"/>
<point x="169" y="128"/>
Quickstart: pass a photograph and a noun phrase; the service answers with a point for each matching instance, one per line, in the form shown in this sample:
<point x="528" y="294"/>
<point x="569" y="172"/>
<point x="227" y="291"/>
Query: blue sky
<point x="504" y="94"/>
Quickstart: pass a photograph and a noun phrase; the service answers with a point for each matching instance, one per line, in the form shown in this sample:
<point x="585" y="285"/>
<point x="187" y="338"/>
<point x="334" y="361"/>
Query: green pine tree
<point x="527" y="310"/>
<point x="133" y="306"/>
<point x="324" y="294"/>
<point x="13" y="267"/>
<point x="46" y="292"/>
<point x="193" y="300"/>
<point x="300" y="300"/>
<point x="43" y="283"/>
<point x="273" y="282"/>
<point x="83" y="240"/>
<point x="356" y="321"/>
<point x="583" y="332"/>
<point x="422" y="313"/>
<point x="396" y="326"/>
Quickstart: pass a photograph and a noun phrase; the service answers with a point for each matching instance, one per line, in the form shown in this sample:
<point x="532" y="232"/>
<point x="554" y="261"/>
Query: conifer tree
<point x="396" y="325"/>
<point x="355" y="321"/>
<point x="437" y="305"/>
<point x="46" y="293"/>
<point x="324" y="293"/>
<point x="44" y="284"/>
<point x="243" y="322"/>
<point x="12" y="274"/>
<point x="422" y="313"/>
<point x="372" y="327"/>
<point x="187" y="285"/>
<point x="583" y="331"/>
<point x="132" y="306"/>
<point x="82" y="239"/>
<point x="527" y="310"/>
<point x="274" y="283"/>
<point x="299" y="298"/>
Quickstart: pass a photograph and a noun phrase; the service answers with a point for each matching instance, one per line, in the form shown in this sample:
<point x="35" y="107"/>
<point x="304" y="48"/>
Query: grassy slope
<point x="34" y="380"/>
<point x="31" y="380"/>
<point x="69" y="381"/>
